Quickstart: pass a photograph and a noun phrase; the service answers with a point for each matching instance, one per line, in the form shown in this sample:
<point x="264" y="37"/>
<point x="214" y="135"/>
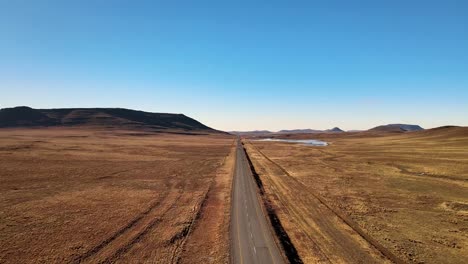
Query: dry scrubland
<point x="82" y="195"/>
<point x="368" y="198"/>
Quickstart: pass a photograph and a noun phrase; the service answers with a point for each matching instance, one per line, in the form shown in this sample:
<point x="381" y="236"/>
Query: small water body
<point x="308" y="142"/>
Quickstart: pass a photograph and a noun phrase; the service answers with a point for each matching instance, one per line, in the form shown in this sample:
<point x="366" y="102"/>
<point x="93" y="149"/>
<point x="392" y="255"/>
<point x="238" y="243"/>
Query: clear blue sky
<point x="241" y="65"/>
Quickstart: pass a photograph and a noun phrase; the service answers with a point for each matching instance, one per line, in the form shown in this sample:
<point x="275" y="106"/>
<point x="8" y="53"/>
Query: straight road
<point x="252" y="240"/>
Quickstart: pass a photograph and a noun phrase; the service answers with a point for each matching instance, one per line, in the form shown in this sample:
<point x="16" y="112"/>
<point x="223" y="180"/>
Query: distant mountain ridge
<point x="293" y="131"/>
<point x="308" y="130"/>
<point x="397" y="128"/>
<point x="382" y="128"/>
<point x="253" y="132"/>
<point x="24" y="116"/>
<point x="285" y="131"/>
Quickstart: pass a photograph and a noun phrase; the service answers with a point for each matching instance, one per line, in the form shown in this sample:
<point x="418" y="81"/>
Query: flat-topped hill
<point x="105" y="117"/>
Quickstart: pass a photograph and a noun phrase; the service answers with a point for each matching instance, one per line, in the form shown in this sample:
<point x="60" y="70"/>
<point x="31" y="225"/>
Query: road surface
<point x="252" y="239"/>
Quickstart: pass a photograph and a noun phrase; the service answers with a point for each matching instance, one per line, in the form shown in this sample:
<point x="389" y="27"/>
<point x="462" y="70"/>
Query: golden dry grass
<point x="82" y="195"/>
<point x="209" y="241"/>
<point x="402" y="193"/>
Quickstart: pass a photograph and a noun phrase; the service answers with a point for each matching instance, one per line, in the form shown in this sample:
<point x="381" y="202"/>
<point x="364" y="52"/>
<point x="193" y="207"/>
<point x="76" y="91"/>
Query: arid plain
<point x="73" y="195"/>
<point x="112" y="185"/>
<point x="371" y="197"/>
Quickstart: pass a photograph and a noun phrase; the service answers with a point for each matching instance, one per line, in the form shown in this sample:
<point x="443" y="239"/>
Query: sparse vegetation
<point x="87" y="195"/>
<point x="368" y="197"/>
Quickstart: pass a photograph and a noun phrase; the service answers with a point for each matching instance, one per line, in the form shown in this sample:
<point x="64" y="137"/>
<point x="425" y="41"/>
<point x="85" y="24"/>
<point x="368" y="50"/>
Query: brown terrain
<point x="111" y="185"/>
<point x="96" y="194"/>
<point x="370" y="197"/>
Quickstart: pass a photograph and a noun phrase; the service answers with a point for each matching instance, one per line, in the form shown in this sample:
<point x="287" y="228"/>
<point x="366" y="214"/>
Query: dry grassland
<point x="371" y="198"/>
<point x="83" y="195"/>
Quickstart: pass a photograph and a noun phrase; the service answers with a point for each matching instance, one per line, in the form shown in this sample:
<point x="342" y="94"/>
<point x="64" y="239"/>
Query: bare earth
<point x="84" y="195"/>
<point x="371" y="198"/>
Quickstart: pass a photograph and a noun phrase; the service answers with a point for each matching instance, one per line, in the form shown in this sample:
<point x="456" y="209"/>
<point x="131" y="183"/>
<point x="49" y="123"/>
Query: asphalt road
<point x="252" y="239"/>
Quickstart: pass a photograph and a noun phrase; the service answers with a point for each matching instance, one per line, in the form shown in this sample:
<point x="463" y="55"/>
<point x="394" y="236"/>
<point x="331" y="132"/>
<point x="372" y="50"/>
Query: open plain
<point x="371" y="197"/>
<point x="70" y="195"/>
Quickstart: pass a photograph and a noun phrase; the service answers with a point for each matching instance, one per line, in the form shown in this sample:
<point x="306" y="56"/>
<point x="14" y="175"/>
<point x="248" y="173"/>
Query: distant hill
<point x="443" y="132"/>
<point x="335" y="129"/>
<point x="24" y="116"/>
<point x="397" y="128"/>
